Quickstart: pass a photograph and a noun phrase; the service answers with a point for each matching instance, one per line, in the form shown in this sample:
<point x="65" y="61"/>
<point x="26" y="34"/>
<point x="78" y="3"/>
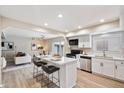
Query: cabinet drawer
<point x="119" y="63"/>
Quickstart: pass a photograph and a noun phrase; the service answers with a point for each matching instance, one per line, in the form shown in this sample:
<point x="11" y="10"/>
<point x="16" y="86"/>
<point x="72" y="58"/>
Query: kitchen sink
<point x="104" y="57"/>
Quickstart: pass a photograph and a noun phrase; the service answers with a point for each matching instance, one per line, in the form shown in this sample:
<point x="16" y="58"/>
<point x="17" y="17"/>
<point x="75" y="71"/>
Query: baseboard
<point x="108" y="77"/>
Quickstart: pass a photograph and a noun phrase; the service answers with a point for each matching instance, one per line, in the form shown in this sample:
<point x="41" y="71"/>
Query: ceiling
<point x="10" y="32"/>
<point x="73" y="15"/>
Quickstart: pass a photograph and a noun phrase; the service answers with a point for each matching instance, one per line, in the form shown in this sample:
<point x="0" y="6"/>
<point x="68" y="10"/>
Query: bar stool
<point x="37" y="64"/>
<point x="50" y="70"/>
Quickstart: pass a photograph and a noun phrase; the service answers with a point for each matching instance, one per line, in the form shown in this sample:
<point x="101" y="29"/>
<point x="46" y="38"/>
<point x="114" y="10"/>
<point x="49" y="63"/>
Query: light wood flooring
<point x="22" y="78"/>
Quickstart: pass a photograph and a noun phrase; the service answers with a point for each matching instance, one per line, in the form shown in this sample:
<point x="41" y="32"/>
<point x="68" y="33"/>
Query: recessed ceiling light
<point x="102" y="20"/>
<point x="60" y="15"/>
<point x="46" y="24"/>
<point x="79" y="27"/>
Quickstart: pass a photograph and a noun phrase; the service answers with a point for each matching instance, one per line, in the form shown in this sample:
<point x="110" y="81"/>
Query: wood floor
<point x="22" y="78"/>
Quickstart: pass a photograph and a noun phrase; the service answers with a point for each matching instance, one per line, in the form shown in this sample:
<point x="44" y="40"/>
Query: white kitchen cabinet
<point x="96" y="66"/>
<point x="103" y="67"/>
<point x="110" y="42"/>
<point x="119" y="70"/>
<point x="78" y="60"/>
<point x="85" y="41"/>
<point x="114" y="43"/>
<point x="84" y="45"/>
<point x="108" y="67"/>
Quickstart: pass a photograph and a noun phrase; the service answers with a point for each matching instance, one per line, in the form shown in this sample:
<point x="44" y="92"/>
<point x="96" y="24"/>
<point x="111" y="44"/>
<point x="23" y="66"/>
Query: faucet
<point x="104" y="54"/>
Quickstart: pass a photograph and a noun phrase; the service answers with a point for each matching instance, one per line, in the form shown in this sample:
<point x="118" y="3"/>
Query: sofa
<point x="22" y="58"/>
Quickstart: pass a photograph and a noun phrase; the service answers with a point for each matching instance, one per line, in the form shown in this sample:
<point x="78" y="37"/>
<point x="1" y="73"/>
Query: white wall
<point x="0" y="65"/>
<point x="122" y="26"/>
<point x="51" y="44"/>
<point x="114" y="43"/>
<point x="21" y="44"/>
<point x="105" y="27"/>
<point x="0" y="52"/>
<point x="122" y="17"/>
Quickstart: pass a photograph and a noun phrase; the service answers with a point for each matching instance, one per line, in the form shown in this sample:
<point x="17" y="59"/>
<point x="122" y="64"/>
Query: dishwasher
<point x="85" y="63"/>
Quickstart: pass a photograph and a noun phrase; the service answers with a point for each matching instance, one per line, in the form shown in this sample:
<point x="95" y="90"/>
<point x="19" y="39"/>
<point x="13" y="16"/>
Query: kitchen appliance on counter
<point x="73" y="53"/>
<point x="85" y="63"/>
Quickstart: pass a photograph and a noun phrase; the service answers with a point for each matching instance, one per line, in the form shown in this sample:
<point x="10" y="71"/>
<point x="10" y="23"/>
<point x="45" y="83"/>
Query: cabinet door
<point x="86" y="44"/>
<point x="96" y="66"/>
<point x="119" y="70"/>
<point x="78" y="62"/>
<point x="80" y="45"/>
<point x="108" y="68"/>
<point x="116" y="42"/>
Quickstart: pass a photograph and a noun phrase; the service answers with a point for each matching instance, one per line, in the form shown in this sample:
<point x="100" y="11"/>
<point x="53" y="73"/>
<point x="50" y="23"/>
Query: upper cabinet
<point x="85" y="41"/>
<point x="107" y="42"/>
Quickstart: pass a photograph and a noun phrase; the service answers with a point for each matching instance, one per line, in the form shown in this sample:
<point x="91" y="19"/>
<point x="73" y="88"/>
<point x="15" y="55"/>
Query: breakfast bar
<point x="68" y="71"/>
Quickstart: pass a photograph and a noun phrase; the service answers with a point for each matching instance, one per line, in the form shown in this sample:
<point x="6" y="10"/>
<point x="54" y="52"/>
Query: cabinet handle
<point x="101" y="64"/>
<point x="116" y="67"/>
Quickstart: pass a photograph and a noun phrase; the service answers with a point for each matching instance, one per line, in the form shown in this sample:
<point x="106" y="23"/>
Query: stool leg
<point x="33" y="71"/>
<point x="48" y="81"/>
<point x="59" y="78"/>
<point x="37" y="74"/>
<point x="42" y="79"/>
<point x="52" y="78"/>
<point x="37" y="70"/>
<point x="42" y="73"/>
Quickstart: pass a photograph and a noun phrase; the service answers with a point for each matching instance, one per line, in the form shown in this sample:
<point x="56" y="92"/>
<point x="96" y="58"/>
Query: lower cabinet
<point x="103" y="67"/>
<point x="96" y="66"/>
<point x="119" y="70"/>
<point x="108" y="68"/>
<point x="111" y="68"/>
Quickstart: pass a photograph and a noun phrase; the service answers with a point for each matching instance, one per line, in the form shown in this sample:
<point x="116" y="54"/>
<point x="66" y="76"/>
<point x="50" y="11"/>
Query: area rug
<point x="16" y="67"/>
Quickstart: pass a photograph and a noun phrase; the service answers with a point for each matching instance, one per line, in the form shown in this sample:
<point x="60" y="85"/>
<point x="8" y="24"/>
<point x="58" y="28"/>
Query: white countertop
<point x="118" y="58"/>
<point x="62" y="61"/>
<point x="113" y="58"/>
<point x="89" y="55"/>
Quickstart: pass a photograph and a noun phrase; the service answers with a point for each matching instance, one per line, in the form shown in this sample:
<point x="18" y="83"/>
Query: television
<point x="7" y="45"/>
<point x="2" y="44"/>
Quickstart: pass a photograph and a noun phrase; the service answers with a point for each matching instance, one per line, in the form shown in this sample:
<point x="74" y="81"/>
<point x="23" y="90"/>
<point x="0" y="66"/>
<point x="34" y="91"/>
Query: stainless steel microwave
<point x="73" y="42"/>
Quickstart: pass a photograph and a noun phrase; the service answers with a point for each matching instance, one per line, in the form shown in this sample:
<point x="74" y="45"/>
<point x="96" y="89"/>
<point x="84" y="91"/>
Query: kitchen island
<point x="68" y="70"/>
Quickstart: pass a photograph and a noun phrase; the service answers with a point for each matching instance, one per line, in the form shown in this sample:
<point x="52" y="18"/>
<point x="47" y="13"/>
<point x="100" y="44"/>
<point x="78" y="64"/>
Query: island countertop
<point x="62" y="61"/>
<point x="67" y="72"/>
